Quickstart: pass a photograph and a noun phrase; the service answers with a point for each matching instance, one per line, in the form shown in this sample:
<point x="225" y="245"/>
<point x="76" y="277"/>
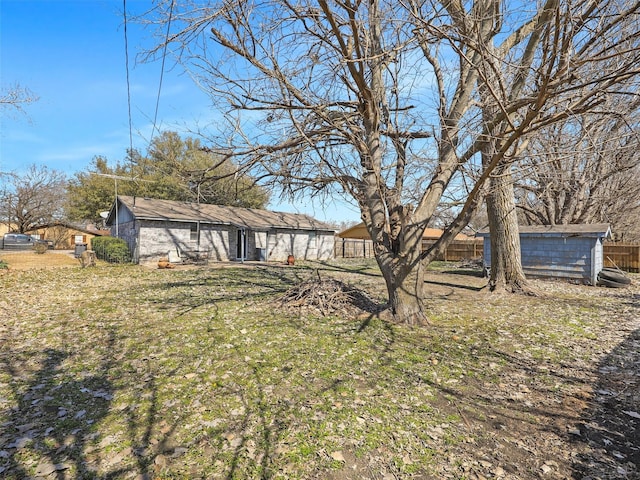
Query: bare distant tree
<point x="585" y="169"/>
<point x="15" y="97"/>
<point x="396" y="104"/>
<point x="32" y="199"/>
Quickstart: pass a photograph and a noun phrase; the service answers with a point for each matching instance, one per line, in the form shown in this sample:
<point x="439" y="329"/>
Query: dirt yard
<point x="130" y="372"/>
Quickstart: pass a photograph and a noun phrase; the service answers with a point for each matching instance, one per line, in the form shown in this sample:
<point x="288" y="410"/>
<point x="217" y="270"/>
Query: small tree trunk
<point x="506" y="263"/>
<point x="88" y="259"/>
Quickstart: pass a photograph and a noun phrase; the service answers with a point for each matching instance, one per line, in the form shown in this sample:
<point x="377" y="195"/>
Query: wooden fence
<point x="353" y="248"/>
<point x="622" y="255"/>
<point x="456" y="251"/>
<point x="625" y="256"/>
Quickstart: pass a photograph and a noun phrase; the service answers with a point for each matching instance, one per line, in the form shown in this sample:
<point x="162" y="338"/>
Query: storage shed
<point x="156" y="228"/>
<point x="571" y="252"/>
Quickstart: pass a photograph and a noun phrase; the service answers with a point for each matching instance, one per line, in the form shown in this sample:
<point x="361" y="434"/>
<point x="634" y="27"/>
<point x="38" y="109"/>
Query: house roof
<point x="577" y="230"/>
<point x="174" y="211"/>
<point x="360" y="232"/>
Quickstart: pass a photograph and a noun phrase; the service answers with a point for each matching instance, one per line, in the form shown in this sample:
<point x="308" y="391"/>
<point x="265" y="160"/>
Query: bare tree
<point x="561" y="61"/>
<point x="15" y="97"/>
<point x="585" y="169"/>
<point x="32" y="199"/>
<point x="393" y="104"/>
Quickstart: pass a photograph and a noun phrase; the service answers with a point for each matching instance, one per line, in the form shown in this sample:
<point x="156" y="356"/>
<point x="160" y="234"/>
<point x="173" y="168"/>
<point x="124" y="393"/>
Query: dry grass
<point x="28" y="260"/>
<point x="121" y="372"/>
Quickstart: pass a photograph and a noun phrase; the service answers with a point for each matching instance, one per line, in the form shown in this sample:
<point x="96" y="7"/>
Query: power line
<point x="115" y="183"/>
<point x="126" y="56"/>
<point x="164" y="56"/>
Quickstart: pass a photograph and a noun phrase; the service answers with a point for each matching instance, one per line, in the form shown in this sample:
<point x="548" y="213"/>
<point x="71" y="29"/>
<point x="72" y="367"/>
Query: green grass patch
<point x="123" y="371"/>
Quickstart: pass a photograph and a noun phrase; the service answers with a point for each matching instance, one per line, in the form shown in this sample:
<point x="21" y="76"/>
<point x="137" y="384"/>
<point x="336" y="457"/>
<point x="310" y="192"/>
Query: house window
<point x="79" y="239"/>
<point x="194" y="232"/>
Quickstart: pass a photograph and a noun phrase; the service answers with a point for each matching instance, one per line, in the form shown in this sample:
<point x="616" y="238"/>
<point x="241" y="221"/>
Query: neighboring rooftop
<point x="359" y="231"/>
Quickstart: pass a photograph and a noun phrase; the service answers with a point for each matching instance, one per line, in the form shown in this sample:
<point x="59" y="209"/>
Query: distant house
<point x="163" y="228"/>
<point x="6" y="228"/>
<point x="359" y="231"/>
<point x="65" y="236"/>
<point x="355" y="242"/>
<point x="571" y="252"/>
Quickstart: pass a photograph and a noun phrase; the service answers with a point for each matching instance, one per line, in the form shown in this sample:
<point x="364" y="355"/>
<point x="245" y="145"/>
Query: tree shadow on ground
<point x="466" y="272"/>
<point x="454" y="285"/>
<point x="611" y="430"/>
<point x="53" y="429"/>
<point x="55" y="415"/>
<point x="255" y="284"/>
<point x="367" y="269"/>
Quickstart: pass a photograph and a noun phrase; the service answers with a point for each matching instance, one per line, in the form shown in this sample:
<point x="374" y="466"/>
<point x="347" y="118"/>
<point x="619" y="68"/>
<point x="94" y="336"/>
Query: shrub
<point x="41" y="248"/>
<point x="111" y="249"/>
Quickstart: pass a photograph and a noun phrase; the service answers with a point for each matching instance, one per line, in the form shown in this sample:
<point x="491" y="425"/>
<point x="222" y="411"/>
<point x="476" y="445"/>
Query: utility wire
<point x="164" y="56"/>
<point x="126" y="57"/>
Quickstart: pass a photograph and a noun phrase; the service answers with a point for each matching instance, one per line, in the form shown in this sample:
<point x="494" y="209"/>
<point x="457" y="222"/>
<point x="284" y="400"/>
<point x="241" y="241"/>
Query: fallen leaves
<point x="129" y="372"/>
<point x="46" y="468"/>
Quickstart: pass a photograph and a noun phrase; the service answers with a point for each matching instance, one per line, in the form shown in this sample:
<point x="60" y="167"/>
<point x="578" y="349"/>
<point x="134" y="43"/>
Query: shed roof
<point x="174" y="211"/>
<point x="576" y="230"/>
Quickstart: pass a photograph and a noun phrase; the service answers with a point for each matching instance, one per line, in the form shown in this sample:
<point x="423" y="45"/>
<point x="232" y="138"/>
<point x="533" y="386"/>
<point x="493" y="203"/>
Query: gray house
<point x="571" y="252"/>
<point x="163" y="228"/>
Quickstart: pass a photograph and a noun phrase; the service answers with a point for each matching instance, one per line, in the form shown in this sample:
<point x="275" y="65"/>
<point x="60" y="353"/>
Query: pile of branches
<point x="327" y="297"/>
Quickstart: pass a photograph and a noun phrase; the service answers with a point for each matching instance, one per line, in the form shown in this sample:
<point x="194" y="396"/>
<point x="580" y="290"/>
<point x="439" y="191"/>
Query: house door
<point x="241" y="244"/>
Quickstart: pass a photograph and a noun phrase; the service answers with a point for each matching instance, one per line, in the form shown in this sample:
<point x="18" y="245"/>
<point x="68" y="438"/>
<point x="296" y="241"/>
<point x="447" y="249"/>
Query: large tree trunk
<point x="506" y="263"/>
<point x="405" y="287"/>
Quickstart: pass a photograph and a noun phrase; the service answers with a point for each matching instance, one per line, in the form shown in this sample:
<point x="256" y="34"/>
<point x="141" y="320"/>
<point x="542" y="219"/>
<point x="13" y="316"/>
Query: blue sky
<point x="71" y="54"/>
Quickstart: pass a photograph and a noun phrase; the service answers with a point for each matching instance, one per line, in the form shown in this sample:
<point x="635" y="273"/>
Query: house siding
<point x="127" y="231"/>
<point x="326" y="245"/>
<point x="170" y="239"/>
<point x="309" y="245"/>
<point x="150" y="240"/>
